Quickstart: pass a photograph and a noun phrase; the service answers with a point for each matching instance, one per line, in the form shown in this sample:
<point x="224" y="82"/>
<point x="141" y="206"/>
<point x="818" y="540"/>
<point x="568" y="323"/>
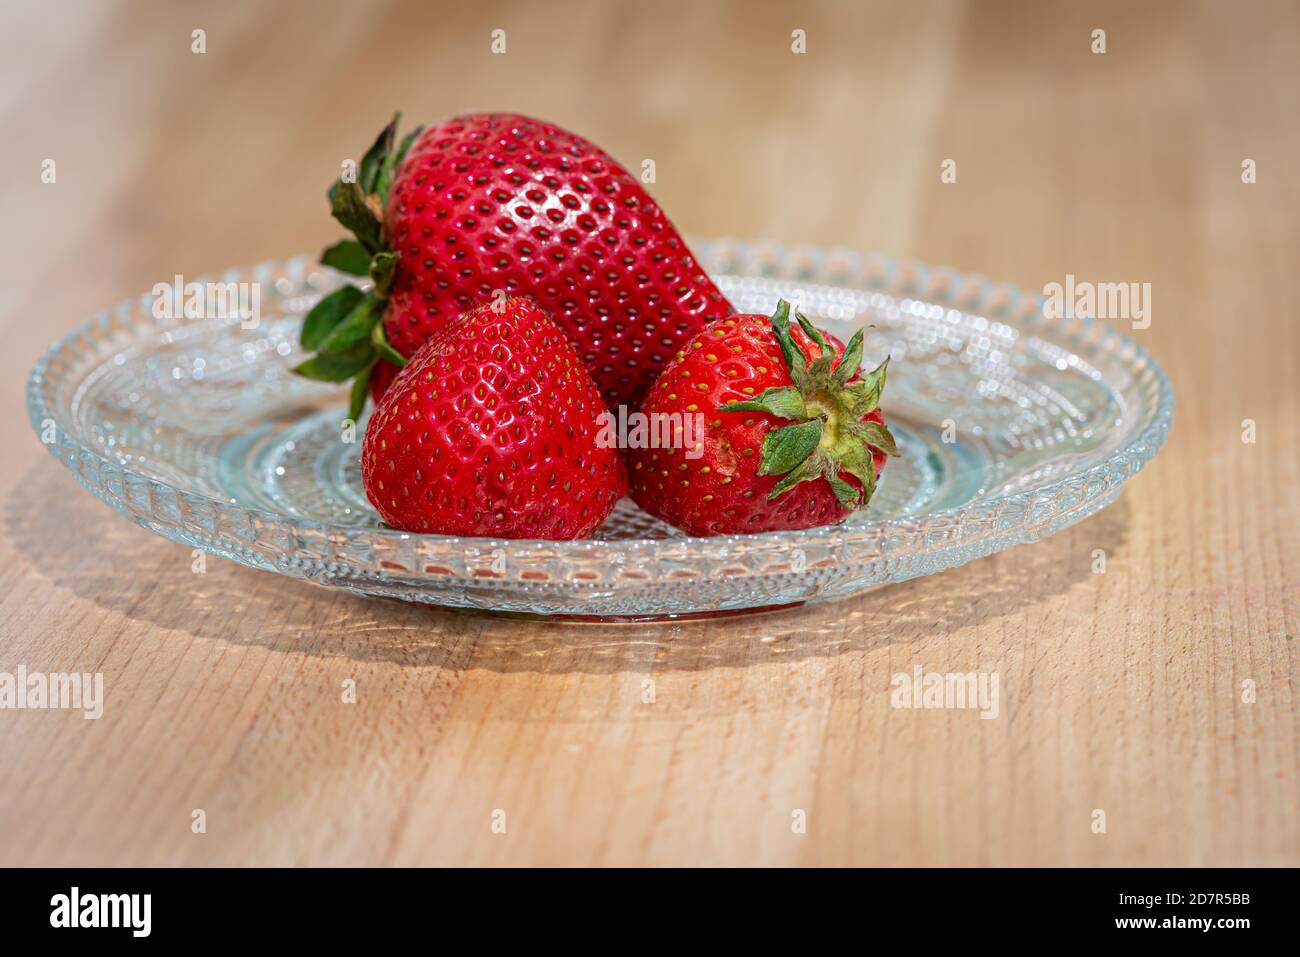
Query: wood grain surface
<point x="1120" y="692"/>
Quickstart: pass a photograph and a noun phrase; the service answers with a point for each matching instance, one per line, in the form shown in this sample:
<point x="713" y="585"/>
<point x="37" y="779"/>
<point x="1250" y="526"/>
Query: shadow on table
<point x="83" y="546"/>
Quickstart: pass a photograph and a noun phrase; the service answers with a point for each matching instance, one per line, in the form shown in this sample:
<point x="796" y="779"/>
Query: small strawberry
<point x="792" y="437"/>
<point x="492" y="429"/>
<point x="499" y="202"/>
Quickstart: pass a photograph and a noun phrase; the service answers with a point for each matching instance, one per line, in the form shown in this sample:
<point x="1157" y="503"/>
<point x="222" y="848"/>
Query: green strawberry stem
<point x="346" y="328"/>
<point x="827" y="438"/>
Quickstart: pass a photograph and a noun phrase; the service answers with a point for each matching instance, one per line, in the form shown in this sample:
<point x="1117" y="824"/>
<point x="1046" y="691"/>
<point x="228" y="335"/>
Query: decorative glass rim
<point x="975" y="294"/>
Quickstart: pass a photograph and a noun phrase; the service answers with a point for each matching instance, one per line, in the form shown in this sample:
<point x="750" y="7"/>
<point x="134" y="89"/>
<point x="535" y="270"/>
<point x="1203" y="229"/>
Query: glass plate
<point x="1011" y="427"/>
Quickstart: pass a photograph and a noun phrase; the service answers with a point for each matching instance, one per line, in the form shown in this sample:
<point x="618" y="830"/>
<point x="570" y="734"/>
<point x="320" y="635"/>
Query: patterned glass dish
<point x="1011" y="426"/>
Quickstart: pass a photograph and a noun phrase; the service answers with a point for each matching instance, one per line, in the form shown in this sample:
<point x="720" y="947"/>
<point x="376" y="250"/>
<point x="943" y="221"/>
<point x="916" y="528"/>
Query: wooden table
<point x="1121" y="692"/>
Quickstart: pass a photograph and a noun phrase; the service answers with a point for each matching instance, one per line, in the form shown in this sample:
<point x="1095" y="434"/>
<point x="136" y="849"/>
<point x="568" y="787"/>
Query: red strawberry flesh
<point x="492" y="430"/>
<point x="734" y="484"/>
<point x="495" y="204"/>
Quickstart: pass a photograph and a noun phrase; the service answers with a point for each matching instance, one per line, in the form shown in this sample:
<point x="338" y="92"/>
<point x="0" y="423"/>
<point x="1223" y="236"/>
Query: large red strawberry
<point x="792" y="437"/>
<point x="499" y="203"/>
<point x="493" y="429"/>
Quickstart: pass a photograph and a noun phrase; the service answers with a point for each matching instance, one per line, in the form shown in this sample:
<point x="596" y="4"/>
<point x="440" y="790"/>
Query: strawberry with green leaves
<point x="493" y="429"/>
<point x="793" y="438"/>
<point x="502" y="204"/>
<point x="346" y="329"/>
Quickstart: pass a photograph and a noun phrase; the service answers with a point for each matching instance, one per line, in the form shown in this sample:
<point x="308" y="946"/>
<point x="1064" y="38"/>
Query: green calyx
<point x="345" y="329"/>
<point x="827" y="437"/>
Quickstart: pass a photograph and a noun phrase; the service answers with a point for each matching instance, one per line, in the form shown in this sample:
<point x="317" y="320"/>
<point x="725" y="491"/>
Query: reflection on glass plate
<point x="1011" y="427"/>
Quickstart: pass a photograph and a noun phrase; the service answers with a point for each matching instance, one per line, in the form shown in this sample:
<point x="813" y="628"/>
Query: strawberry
<point x="502" y="204"/>
<point x="492" y="429"/>
<point x="792" y="434"/>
